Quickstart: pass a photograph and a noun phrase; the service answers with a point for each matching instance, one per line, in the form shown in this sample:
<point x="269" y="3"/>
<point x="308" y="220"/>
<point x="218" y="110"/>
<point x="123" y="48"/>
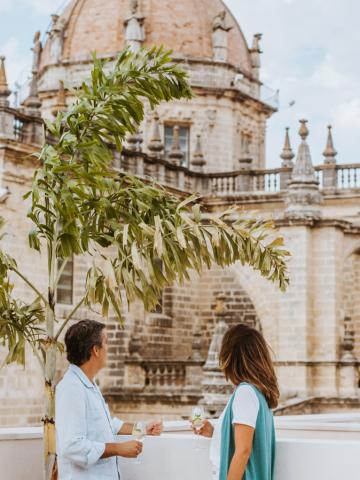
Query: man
<point x="86" y="444"/>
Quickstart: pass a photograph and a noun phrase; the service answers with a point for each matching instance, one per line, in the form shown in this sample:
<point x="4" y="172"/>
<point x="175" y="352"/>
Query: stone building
<point x="166" y="361"/>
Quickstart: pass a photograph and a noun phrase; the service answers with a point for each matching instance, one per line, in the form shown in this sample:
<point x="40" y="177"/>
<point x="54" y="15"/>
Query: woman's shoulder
<point x="246" y="405"/>
<point x="246" y="392"/>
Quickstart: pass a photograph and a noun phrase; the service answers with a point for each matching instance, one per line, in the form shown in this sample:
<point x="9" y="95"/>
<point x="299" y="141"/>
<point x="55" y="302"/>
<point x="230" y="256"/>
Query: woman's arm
<point x="243" y="445"/>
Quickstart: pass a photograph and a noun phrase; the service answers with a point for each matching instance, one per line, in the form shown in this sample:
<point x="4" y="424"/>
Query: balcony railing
<point x="257" y="181"/>
<point x="175" y="377"/>
<point x="308" y="447"/>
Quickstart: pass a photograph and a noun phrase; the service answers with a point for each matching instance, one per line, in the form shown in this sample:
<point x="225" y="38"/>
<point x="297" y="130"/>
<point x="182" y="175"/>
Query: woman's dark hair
<point x="245" y="357"/>
<point x="81" y="338"/>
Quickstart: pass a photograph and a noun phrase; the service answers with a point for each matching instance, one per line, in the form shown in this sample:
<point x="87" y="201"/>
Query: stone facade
<point x="164" y="362"/>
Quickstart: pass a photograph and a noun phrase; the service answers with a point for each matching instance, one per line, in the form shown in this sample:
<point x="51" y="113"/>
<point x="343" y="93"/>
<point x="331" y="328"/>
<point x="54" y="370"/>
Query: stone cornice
<point x="18" y="147"/>
<point x="343" y="225"/>
<point x="317" y="363"/>
<point x="171" y="396"/>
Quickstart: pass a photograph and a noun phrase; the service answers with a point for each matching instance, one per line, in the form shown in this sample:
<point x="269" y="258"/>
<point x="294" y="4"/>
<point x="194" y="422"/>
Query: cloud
<point x="38" y="7"/>
<point x="327" y="75"/>
<point x="347" y="115"/>
<point x="45" y="7"/>
<point x="311" y="57"/>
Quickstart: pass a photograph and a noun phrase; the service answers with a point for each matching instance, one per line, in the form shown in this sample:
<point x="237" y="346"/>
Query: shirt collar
<point x="84" y="379"/>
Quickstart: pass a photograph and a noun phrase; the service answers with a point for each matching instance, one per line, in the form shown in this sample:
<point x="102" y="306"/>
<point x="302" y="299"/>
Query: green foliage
<point x="80" y="204"/>
<point x="19" y="322"/>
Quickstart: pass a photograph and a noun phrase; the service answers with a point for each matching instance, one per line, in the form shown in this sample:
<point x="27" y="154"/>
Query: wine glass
<point x="139" y="433"/>
<point x="197" y="419"/>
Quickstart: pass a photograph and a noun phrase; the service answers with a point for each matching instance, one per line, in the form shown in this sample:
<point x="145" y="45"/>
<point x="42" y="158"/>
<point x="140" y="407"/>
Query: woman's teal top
<point x="262" y="459"/>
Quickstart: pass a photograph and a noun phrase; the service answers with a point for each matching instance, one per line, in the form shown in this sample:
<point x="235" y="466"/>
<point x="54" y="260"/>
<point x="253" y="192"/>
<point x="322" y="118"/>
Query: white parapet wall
<point x="308" y="448"/>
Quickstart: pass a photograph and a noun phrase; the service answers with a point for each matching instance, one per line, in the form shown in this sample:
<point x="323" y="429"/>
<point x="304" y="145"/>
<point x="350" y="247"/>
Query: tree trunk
<point x="49" y="419"/>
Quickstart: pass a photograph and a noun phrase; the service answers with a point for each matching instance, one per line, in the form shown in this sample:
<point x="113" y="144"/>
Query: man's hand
<point x="130" y="449"/>
<point x="154" y="428"/>
<point x="206" y="429"/>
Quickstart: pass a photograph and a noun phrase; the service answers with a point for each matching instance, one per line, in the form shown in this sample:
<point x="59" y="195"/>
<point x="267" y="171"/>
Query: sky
<point x="310" y="53"/>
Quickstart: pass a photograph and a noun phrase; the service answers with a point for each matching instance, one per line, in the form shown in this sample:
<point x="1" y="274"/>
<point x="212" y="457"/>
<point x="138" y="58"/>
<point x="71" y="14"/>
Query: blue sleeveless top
<point x="262" y="459"/>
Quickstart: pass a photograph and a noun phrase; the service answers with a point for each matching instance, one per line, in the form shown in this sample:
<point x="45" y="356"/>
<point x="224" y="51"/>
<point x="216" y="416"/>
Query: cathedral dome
<point x="186" y="27"/>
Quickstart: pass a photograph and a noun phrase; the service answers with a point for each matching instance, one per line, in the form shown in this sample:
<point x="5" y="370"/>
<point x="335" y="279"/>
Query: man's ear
<point x="95" y="351"/>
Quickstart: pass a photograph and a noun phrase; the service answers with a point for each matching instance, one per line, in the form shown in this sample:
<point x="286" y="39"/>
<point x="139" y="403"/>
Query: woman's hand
<point x="154" y="428"/>
<point x="130" y="449"/>
<point x="206" y="429"/>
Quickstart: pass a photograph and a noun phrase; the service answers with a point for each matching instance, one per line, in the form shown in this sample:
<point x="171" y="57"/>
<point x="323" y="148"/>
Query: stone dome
<point x="186" y="27"/>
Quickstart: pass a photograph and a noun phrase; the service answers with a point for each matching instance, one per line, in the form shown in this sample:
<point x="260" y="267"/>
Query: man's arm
<point x="129" y="449"/>
<point x="243" y="445"/>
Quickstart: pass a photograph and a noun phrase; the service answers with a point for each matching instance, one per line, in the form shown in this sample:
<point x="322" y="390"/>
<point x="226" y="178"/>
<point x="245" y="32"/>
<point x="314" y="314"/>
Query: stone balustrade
<point x="267" y="181"/>
<point x="162" y="375"/>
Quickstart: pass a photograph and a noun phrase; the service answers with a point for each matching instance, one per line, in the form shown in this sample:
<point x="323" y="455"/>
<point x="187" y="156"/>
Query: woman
<point x="243" y="441"/>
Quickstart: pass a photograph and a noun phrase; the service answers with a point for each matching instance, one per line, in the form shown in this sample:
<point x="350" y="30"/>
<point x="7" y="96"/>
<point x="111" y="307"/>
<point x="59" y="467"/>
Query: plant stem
<point x="37" y="355"/>
<point x="68" y="318"/>
<point x="60" y="271"/>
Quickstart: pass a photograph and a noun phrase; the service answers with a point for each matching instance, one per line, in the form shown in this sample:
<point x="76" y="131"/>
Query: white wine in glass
<point x="139" y="433"/>
<point x="197" y="419"/>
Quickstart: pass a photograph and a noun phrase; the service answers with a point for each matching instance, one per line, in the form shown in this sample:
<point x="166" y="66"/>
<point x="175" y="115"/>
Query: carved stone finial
<point x="256" y="42"/>
<point x="4" y="88"/>
<point x="198" y="161"/>
<point x="303" y="196"/>
<point x="303" y="130"/>
<point x="330" y="152"/>
<point x="60" y="105"/>
<point x="287" y="154"/>
<point x="220" y="37"/>
<point x="134" y="28"/>
<point x="176" y="155"/>
<point x="155" y="145"/>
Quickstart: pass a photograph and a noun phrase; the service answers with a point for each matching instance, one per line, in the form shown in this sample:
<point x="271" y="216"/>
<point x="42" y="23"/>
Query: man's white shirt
<point x="83" y="427"/>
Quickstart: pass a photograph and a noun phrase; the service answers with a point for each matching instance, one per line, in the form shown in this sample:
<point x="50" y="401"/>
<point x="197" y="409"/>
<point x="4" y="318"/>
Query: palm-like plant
<point x="80" y="204"/>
